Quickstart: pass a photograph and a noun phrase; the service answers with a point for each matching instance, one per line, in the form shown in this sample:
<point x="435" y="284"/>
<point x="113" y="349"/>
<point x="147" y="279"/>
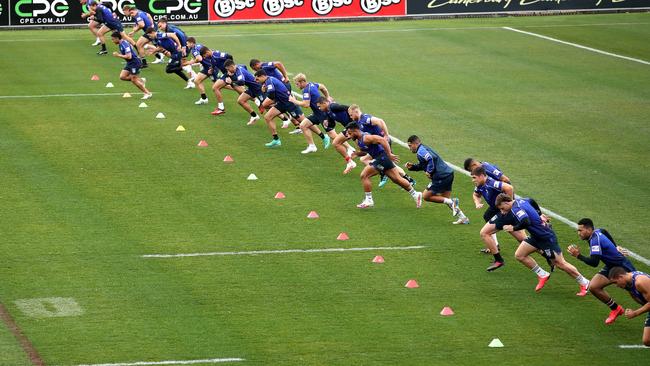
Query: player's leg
<point x="367" y="173"/>
<point x="125" y="75"/>
<point x="488" y="233"/>
<point x="343" y="147"/>
<point x="102" y="39"/>
<point x="216" y="88"/>
<point x="268" y="118"/>
<point x="200" y="77"/>
<point x="522" y="254"/>
<point x="305" y="126"/>
<point x="597" y="287"/>
<point x="646" y="332"/>
<point x="383" y="163"/>
<point x="139" y="44"/>
<point x="243" y="102"/>
<point x="126" y="36"/>
<point x="93" y="26"/>
<point x="571" y="270"/>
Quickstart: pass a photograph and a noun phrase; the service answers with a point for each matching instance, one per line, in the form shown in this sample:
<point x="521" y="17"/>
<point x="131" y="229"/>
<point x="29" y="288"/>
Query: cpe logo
<point x="373" y="6"/>
<point x="324" y="7"/>
<point x="35" y="8"/>
<point x="117" y="5"/>
<point x="169" y="6"/>
<point x="226" y="8"/>
<point x="274" y="8"/>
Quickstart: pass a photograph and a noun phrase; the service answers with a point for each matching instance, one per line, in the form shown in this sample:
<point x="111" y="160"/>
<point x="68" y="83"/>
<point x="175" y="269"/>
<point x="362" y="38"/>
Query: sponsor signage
<point x="4" y="13"/>
<point x="227" y="10"/>
<point x="432" y="7"/>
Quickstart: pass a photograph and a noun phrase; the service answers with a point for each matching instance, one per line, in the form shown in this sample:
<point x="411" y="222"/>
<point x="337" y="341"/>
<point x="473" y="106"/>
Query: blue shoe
<point x="274" y="143"/>
<point x="326" y="142"/>
<point x="383" y="181"/>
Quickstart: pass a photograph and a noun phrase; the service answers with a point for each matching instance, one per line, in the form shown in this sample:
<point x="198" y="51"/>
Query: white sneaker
<point x="201" y="101"/>
<point x="296" y="131"/>
<point x="366" y="204"/>
<point x="418" y="200"/>
<point x="351" y="165"/>
<point x="285" y="123"/>
<point x="257" y="102"/>
<point x="252" y="120"/>
<point x="350" y="151"/>
<point x="309" y="149"/>
<point x="190" y="84"/>
<point x="97" y="42"/>
<point x="158" y="61"/>
<point x="461" y="221"/>
<point x="147" y="96"/>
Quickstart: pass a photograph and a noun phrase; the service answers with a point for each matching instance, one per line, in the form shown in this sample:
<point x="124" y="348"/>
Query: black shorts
<point x="490" y="215"/>
<point x="647" y="321"/>
<point x="115" y="26"/>
<point x="133" y="69"/>
<point x="317" y="119"/>
<point x="288" y="107"/>
<point x="329" y="125"/>
<point x="628" y="267"/>
<point x="548" y="246"/>
<point x="174" y="63"/>
<point x="499" y="220"/>
<point x="382" y="163"/>
<point x="441" y="185"/>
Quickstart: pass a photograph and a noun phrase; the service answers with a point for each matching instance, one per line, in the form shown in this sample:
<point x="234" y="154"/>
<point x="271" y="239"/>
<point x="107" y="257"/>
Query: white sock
<point x="368" y="196"/>
<point x="461" y="215"/>
<point x="413" y="192"/>
<point x="494" y="237"/>
<point x="540" y="271"/>
<point x="448" y="202"/>
<point x="582" y="281"/>
<point x="220" y="106"/>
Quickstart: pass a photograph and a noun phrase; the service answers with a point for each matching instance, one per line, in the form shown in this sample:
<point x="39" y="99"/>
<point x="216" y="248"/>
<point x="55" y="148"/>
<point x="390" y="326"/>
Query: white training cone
<point x="180" y="128"/>
<point x="160" y="115"/>
<point x="252" y="177"/>
<point x="496" y="343"/>
<point x="143" y="105"/>
<point x="109" y="85"/>
<point x="126" y="95"/>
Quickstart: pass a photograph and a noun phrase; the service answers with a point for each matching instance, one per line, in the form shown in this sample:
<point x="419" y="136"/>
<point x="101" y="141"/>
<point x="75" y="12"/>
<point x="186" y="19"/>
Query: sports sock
<point x="275" y="137"/>
<point x="144" y="61"/>
<point x="103" y="46"/>
<point x="321" y="136"/>
<point x="181" y="75"/>
<point x="611" y="303"/>
<point x="582" y="281"/>
<point x="540" y="271"/>
<point x="448" y="202"/>
<point x="253" y="114"/>
<point x="494" y="237"/>
<point x="203" y="96"/>
<point x="413" y="192"/>
<point x="498" y="257"/>
<point x="220" y="106"/>
<point x="369" y="196"/>
<point x="347" y="159"/>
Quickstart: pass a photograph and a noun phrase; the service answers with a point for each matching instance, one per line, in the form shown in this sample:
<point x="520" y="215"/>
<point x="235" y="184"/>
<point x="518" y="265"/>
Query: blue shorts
<point x="441" y="185"/>
<point x="290" y="108"/>
<point x="627" y="265"/>
<point x="116" y="26"/>
<point x="254" y="92"/>
<point x="317" y="117"/>
<point x="548" y="246"/>
<point x="382" y="163"/>
<point x="174" y="62"/>
<point x="133" y="69"/>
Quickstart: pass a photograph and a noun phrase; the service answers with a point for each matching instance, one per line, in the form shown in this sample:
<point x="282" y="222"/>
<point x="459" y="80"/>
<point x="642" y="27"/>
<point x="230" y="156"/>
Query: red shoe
<point x="218" y="112"/>
<point x="583" y="291"/>
<point x="262" y="109"/>
<point x="614" y="314"/>
<point x="541" y="282"/>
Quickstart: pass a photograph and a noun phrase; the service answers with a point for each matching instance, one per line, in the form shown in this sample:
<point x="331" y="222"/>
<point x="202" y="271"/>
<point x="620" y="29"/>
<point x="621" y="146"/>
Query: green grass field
<point x="92" y="183"/>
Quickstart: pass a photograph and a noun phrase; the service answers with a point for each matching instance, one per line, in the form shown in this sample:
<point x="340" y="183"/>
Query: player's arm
<point x="422" y="162"/>
<point x="592" y="260"/>
<point x="125" y="57"/>
<point x="375" y="139"/>
<point x="643" y="286"/>
<point x="523" y="221"/>
<point x="504" y="179"/>
<point x="138" y="25"/>
<point x="174" y="37"/>
<point x="323" y="90"/>
<point x="380" y="122"/>
<point x="477" y="197"/>
<point x="280" y="66"/>
<point x="306" y="97"/>
<point x="507" y="189"/>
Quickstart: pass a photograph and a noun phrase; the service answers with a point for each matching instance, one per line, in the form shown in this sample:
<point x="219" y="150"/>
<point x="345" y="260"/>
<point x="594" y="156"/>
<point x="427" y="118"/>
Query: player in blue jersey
<point x="104" y="15"/>
<point x="541" y="238"/>
<point x="93" y="25"/>
<point x="383" y="159"/>
<point x="491" y="170"/>
<point x="441" y="175"/>
<point x="601" y="249"/>
<point x="164" y="26"/>
<point x="277" y="100"/>
<point x="133" y="64"/>
<point x="272" y="68"/>
<point x="170" y="45"/>
<point x="142" y="21"/>
<point x="217" y="60"/>
<point x="310" y="93"/>
<point x="195" y="51"/>
<point x="486" y="188"/>
<point x="239" y="77"/>
<point x="336" y="112"/>
<point x="638" y="285"/>
<point x="372" y="125"/>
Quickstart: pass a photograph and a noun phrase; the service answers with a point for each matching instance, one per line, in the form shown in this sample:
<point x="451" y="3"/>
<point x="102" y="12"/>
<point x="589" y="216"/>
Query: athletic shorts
<point x="647" y="321"/>
<point x="499" y="220"/>
<point x="382" y="163"/>
<point x="329" y="124"/>
<point x="133" y="69"/>
<point x="317" y="118"/>
<point x="548" y="246"/>
<point x="116" y="26"/>
<point x="174" y="62"/>
<point x="440" y="185"/>
<point x="627" y="265"/>
<point x="255" y="92"/>
<point x="288" y="107"/>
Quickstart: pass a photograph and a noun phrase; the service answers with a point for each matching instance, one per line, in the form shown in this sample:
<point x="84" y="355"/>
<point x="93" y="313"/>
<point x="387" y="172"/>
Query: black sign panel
<point x="62" y="12"/>
<point x="432" y="7"/>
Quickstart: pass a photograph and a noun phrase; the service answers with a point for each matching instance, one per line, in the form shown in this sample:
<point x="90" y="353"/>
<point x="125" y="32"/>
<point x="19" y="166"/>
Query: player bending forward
<point x="638" y="284"/>
<point x="133" y="64"/>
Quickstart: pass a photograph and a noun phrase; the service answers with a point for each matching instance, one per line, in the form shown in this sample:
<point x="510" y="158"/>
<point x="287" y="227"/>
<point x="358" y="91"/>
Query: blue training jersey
<point x="522" y="209"/>
<point x="492" y="170"/>
<point x="365" y="121"/>
<point x="375" y="150"/>
<point x="276" y="90"/>
<point x="490" y="190"/>
<point x="244" y="77"/>
<point x="196" y="52"/>
<point x="217" y="60"/>
<point x="165" y="42"/>
<point x="105" y="14"/>
<point x="600" y="245"/>
<point x="431" y="162"/>
<point x="312" y="93"/>
<point x="125" y="49"/>
<point x="339" y="113"/>
<point x="141" y="16"/>
<point x="271" y="70"/>
<point x="179" y="33"/>
<point x="632" y="289"/>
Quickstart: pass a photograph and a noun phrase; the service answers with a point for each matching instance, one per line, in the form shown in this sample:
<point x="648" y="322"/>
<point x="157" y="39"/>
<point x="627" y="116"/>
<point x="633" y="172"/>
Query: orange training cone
<point x="228" y="159"/>
<point x="202" y="143"/>
<point x="280" y="195"/>
<point x="378" y="259"/>
<point x="94" y="78"/>
<point x="446" y="311"/>
<point x="412" y="284"/>
<point x="313" y="215"/>
<point x="343" y="236"/>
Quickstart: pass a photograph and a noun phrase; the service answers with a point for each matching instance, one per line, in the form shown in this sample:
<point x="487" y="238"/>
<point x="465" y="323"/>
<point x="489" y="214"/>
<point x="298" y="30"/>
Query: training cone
<point x="378" y="259"/>
<point x="446" y="311"/>
<point x="94" y="78"/>
<point x="412" y="284"/>
<point x="228" y="159"/>
<point x="496" y="343"/>
<point x="252" y="177"/>
<point x="343" y="236"/>
<point x="126" y="95"/>
<point x="143" y="105"/>
<point x="313" y="215"/>
<point x="180" y="128"/>
<point x="202" y="143"/>
<point x="280" y="195"/>
<point x="160" y="115"/>
<point x="109" y="85"/>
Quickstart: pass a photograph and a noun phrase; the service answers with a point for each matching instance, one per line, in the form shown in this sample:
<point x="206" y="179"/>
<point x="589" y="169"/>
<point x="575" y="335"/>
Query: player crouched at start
<point x="133" y="64"/>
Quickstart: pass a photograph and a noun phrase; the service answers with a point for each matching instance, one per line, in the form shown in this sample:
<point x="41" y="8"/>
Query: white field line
<point x="187" y="362"/>
<point x="628" y="346"/>
<point x="351" y="31"/>
<point x="284" y="251"/>
<point x="578" y="46"/>
<point x="62" y="95"/>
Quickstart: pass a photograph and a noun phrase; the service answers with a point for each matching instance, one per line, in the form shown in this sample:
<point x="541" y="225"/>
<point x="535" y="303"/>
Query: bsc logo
<point x="226" y="8"/>
<point x="324" y="7"/>
<point x="373" y="6"/>
<point x="190" y="6"/>
<point x="274" y="8"/>
<point x="58" y="8"/>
